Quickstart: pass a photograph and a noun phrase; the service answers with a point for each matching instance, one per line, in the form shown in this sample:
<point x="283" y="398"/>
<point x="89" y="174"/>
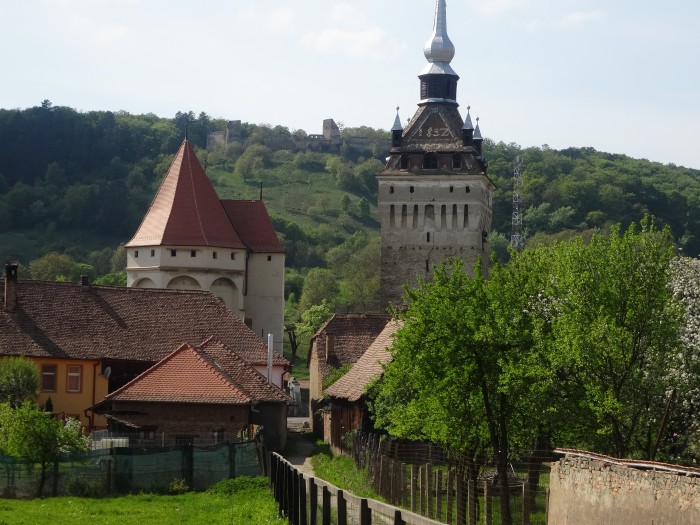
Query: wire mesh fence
<point x="123" y="470"/>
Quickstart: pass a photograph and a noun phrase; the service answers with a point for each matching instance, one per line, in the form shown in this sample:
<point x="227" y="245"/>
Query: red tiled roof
<point x="253" y="225"/>
<point x="185" y="376"/>
<point x="186" y="210"/>
<point x="65" y="320"/>
<point x="207" y="373"/>
<point x="246" y="377"/>
<point x="353" y="384"/>
<point x="352" y="334"/>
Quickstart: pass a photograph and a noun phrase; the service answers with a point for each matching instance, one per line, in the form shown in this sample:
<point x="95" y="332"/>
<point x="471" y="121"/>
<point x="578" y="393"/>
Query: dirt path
<point x="300" y="445"/>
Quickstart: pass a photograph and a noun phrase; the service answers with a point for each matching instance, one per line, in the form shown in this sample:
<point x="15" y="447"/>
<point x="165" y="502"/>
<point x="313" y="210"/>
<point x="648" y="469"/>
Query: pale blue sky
<point x="620" y="76"/>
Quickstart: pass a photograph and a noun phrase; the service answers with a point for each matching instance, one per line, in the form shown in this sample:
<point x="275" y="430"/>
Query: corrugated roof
<point x="186" y="210"/>
<point x="65" y="320"/>
<point x="352" y="385"/>
<point x="253" y="225"/>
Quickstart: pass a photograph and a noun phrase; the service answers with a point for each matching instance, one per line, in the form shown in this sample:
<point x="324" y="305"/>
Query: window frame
<point x="71" y="374"/>
<point x="45" y="373"/>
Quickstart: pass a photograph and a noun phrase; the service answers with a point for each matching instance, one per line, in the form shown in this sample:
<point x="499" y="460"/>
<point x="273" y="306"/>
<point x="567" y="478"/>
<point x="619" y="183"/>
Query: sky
<point x="620" y="76"/>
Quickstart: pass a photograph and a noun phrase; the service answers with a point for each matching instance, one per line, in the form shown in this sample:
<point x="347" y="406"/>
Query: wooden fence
<point x="434" y="488"/>
<point x="306" y="500"/>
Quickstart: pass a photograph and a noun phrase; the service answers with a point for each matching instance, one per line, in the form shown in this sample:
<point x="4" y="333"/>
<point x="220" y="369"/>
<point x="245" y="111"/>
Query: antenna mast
<point x="517" y="239"/>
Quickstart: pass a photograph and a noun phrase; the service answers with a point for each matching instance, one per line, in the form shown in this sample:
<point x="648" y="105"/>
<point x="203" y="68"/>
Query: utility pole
<point x="517" y="239"/>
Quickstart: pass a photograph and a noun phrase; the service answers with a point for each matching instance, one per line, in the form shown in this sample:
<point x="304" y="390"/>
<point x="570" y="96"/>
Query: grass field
<point x="250" y="506"/>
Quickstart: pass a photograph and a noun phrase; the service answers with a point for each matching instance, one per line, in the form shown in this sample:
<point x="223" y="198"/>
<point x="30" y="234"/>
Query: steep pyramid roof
<point x="253" y="225"/>
<point x="186" y="210"/>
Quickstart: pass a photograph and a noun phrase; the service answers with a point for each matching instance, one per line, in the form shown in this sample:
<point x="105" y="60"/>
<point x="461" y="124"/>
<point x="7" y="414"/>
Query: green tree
<point x="53" y="266"/>
<point x="614" y="332"/>
<point x="319" y="284"/>
<point x="464" y="353"/>
<point x="252" y="160"/>
<point x="19" y="381"/>
<point x="39" y="438"/>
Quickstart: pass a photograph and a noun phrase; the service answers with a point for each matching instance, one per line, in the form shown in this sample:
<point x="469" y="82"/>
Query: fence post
<point x="526" y="504"/>
<point x="487" y="503"/>
<point x="450" y="494"/>
<point x="313" y="501"/>
<point x="365" y="513"/>
<point x="414" y="487"/>
<point x="473" y="500"/>
<point x="438" y="495"/>
<point x="232" y="460"/>
<point x="430" y="507"/>
<point x="302" y="498"/>
<point x="342" y="508"/>
<point x="294" y="507"/>
<point x="461" y="500"/>
<point x="326" y="509"/>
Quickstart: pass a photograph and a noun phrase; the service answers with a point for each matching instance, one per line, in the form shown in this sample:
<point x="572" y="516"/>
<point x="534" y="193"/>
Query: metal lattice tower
<point x="517" y="239"/>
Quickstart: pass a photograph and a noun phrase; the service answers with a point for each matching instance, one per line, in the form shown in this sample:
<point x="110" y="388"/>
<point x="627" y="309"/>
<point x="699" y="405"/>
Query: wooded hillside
<point x="79" y="183"/>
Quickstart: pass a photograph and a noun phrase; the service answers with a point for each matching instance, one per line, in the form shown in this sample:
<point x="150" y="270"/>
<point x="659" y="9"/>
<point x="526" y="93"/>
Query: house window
<point x="391" y="189"/>
<point x="404" y="162"/>
<point x="467" y="190"/>
<point x="411" y="189"/>
<point x="193" y="253"/>
<point x="74" y="376"/>
<point x="136" y="254"/>
<point x="48" y="378"/>
<point x="173" y="253"/>
<point x="214" y="255"/>
<point x="233" y="256"/>
<point x="430" y="161"/>
<point x="269" y="257"/>
<point x="153" y="253"/>
<point x="456" y="161"/>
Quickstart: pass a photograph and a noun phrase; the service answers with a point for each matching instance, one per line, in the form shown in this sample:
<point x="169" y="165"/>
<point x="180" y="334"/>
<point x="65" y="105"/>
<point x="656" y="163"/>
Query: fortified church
<point x="191" y="240"/>
<point x="434" y="196"/>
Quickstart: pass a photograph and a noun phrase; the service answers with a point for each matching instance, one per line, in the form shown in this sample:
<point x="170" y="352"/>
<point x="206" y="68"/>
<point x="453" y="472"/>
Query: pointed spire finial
<point x="477" y="131"/>
<point x="397" y="122"/>
<point x="439" y="47"/>
<point x="468" y="121"/>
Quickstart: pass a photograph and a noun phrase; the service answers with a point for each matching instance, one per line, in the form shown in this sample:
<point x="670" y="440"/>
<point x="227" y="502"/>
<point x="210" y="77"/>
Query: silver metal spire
<point x="439" y="49"/>
<point x="468" y="120"/>
<point x="397" y="122"/>
<point x="477" y="131"/>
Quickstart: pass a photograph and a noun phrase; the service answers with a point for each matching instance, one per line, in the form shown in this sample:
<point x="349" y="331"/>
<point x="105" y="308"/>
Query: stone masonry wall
<point x="592" y="492"/>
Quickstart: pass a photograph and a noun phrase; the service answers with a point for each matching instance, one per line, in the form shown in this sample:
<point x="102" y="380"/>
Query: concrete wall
<point x="592" y="492"/>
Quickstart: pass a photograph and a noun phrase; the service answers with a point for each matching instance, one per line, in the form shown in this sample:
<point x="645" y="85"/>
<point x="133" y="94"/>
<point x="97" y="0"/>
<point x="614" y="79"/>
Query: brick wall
<point x="594" y="492"/>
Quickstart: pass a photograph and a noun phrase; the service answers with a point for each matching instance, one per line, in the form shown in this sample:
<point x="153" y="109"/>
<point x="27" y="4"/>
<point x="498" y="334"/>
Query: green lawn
<point x="249" y="506"/>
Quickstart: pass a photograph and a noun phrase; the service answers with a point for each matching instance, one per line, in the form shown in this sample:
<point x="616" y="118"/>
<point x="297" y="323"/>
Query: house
<point x="199" y="394"/>
<point x="191" y="240"/>
<point x="347" y="395"/>
<point x="340" y="341"/>
<point x="88" y="340"/>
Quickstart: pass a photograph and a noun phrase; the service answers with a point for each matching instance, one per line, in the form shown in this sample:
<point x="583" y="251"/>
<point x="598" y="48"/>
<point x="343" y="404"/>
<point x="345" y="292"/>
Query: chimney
<point x="11" y="287"/>
<point x="330" y="345"/>
<point x="84" y="281"/>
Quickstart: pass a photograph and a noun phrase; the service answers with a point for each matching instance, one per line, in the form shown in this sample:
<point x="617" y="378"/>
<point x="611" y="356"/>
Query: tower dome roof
<point x="439" y="49"/>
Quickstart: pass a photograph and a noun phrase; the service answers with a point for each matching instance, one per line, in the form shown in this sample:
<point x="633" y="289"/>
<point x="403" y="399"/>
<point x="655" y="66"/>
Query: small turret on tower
<point x="468" y="130"/>
<point x="396" y="131"/>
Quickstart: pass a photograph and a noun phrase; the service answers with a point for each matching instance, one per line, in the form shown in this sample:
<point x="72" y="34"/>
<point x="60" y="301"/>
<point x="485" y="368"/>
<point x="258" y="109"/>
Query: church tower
<point x="434" y="195"/>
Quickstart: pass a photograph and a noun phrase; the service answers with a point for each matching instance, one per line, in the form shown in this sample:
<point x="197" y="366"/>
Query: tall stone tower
<point x="434" y="195"/>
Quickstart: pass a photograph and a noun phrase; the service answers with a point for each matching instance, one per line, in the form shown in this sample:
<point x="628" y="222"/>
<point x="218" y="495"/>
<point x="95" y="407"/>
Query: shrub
<point x="231" y="486"/>
<point x="178" y="486"/>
